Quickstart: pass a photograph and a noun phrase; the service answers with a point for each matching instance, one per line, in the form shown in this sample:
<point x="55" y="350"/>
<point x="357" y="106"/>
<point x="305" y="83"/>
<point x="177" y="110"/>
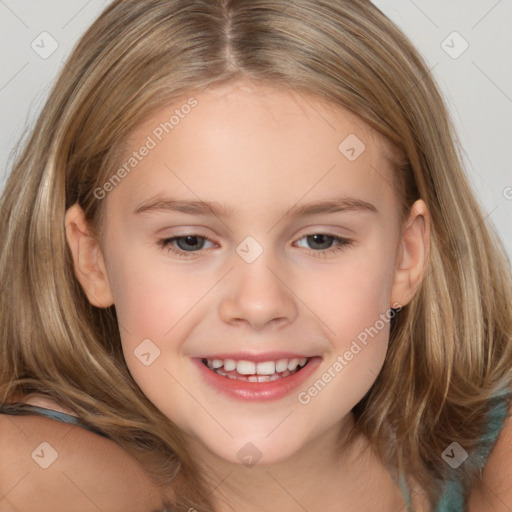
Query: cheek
<point x="151" y="299"/>
<point x="354" y="295"/>
<point x="355" y="305"/>
<point x="355" y="310"/>
<point x="156" y="308"/>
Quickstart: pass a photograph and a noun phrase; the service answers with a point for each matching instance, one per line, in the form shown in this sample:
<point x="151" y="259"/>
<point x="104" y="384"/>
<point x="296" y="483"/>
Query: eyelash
<point x="343" y="243"/>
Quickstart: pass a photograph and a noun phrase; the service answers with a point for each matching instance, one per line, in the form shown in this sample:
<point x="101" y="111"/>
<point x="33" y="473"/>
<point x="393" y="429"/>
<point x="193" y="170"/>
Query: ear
<point x="412" y="254"/>
<point x="89" y="264"/>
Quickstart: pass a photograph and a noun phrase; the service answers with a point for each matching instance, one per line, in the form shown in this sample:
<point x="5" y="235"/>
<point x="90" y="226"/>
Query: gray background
<point x="476" y="83"/>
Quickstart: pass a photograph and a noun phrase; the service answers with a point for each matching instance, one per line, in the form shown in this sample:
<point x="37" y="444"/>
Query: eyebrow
<point x="332" y="205"/>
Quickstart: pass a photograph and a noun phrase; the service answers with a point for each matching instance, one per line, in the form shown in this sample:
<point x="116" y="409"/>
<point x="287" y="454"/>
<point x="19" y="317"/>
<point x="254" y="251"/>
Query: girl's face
<point x="299" y="254"/>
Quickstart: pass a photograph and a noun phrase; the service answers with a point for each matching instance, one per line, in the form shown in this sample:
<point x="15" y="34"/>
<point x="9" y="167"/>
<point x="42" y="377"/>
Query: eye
<point x="325" y="241"/>
<point x="186" y="244"/>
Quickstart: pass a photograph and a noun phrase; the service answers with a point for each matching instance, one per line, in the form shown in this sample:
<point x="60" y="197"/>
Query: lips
<point x="260" y="377"/>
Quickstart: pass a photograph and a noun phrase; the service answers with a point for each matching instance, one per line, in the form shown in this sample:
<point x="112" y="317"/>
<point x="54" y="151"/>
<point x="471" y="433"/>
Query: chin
<point x="248" y="451"/>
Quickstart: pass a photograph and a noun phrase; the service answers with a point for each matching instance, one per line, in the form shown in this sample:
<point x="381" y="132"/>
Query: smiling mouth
<point x="249" y="371"/>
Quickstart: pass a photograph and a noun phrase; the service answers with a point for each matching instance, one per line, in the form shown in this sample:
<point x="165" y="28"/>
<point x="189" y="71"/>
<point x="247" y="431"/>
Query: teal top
<point x="24" y="409"/>
<point x="453" y="498"/>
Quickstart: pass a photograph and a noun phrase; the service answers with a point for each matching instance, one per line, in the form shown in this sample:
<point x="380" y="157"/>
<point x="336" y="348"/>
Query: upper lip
<point x="257" y="358"/>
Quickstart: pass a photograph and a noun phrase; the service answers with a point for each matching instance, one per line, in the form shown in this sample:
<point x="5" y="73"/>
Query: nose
<point x="258" y="295"/>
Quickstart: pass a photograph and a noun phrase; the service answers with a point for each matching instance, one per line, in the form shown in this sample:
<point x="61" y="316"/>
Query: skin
<point x="259" y="151"/>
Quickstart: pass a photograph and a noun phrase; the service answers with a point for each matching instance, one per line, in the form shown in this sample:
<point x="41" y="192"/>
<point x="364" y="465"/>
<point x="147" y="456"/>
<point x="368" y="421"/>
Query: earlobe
<point x="412" y="254"/>
<point x="89" y="263"/>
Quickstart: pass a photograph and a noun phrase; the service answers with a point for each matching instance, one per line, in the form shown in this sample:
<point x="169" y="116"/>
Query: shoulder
<point x="493" y="491"/>
<point x="47" y="465"/>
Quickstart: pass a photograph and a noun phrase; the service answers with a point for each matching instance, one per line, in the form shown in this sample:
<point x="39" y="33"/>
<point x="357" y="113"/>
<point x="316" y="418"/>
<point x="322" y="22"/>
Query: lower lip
<point x="257" y="391"/>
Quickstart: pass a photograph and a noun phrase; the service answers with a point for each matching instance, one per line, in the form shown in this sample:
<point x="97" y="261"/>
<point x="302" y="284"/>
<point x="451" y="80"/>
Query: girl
<point x="242" y="269"/>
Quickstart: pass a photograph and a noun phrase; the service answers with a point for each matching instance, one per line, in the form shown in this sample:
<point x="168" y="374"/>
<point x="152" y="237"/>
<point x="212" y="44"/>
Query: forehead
<point x="249" y="145"/>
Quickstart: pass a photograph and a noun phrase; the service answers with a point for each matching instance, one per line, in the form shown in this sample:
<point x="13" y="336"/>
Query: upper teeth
<point x="250" y="368"/>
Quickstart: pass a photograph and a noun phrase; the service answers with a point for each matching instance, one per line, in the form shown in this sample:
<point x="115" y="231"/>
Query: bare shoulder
<point x="46" y="465"/>
<point x="493" y="492"/>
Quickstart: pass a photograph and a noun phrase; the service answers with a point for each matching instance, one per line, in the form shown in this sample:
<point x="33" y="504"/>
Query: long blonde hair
<point x="450" y="348"/>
